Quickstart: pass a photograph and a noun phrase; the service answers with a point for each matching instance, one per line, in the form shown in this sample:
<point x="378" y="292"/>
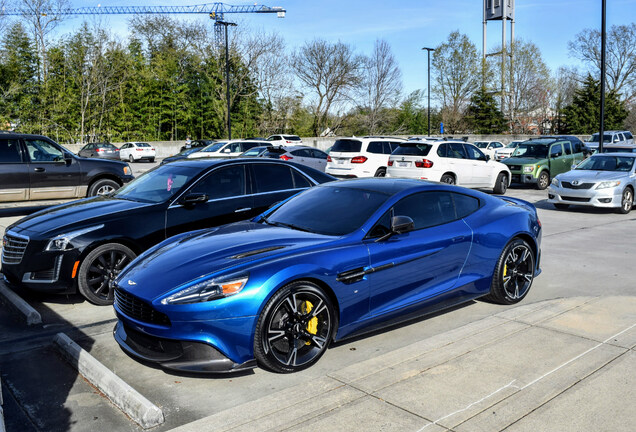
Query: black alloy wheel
<point x="627" y="201"/>
<point x="514" y="273"/>
<point x="295" y="328"/>
<point x="99" y="270"/>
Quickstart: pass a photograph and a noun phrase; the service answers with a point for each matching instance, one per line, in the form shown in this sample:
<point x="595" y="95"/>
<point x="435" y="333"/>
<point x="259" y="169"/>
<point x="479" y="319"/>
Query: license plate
<point x="403" y="164"/>
<point x="340" y="161"/>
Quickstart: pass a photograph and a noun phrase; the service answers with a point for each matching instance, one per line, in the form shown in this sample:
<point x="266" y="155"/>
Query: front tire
<point x="513" y="274"/>
<point x="102" y="187"/>
<point x="448" y="179"/>
<point x="501" y="185"/>
<point x="627" y="201"/>
<point x="99" y="269"/>
<point x="295" y="328"/>
<point x="543" y="181"/>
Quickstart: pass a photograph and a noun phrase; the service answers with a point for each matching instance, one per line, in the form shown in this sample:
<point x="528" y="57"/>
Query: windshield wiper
<point x="286" y="225"/>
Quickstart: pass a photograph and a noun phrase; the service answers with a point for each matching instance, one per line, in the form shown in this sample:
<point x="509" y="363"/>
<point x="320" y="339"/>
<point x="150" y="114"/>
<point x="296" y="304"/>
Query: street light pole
<point x="428" y="52"/>
<point x="227" y="75"/>
<point x="601" y="136"/>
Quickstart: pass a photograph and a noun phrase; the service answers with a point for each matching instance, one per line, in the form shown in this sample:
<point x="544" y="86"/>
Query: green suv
<point x="537" y="161"/>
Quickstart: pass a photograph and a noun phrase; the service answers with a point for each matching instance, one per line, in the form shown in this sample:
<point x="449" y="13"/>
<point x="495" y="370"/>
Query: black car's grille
<point x="13" y="249"/>
<point x="578" y="186"/>
<point x="575" y="199"/>
<point x="514" y="167"/>
<point x="139" y="309"/>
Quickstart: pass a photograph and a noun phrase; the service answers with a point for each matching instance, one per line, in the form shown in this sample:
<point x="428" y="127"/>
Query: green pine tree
<point x="483" y="115"/>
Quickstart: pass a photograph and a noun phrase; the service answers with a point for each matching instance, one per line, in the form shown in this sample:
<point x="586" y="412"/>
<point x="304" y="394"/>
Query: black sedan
<point x="198" y="144"/>
<point x="84" y="244"/>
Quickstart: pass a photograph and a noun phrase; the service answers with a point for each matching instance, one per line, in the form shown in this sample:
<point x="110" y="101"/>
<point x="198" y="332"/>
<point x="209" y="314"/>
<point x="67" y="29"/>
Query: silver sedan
<point x="602" y="180"/>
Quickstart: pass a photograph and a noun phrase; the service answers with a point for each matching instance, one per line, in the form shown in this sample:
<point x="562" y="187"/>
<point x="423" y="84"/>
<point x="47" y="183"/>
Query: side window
<point x="270" y="177"/>
<point x="248" y="145"/>
<point x="300" y="182"/>
<point x="301" y="153"/>
<point x="442" y="150"/>
<point x="319" y="154"/>
<point x="223" y="183"/>
<point x="474" y="153"/>
<point x="427" y="209"/>
<point x="375" y="147"/>
<point x="43" y="151"/>
<point x="568" y="148"/>
<point x="10" y="151"/>
<point x="464" y="204"/>
<point x="556" y="150"/>
<point x="393" y="145"/>
<point x="456" y="150"/>
<point x="628" y="135"/>
<point x="383" y="226"/>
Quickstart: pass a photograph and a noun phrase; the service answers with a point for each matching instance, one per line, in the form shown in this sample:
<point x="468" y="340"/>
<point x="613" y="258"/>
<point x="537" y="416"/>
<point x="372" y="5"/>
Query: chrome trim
<point x="15" y="257"/>
<point x="56" y="270"/>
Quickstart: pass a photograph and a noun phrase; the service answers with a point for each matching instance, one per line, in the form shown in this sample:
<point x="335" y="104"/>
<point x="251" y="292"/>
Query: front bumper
<point x="184" y="356"/>
<point x="604" y="198"/>
<point x="517" y="177"/>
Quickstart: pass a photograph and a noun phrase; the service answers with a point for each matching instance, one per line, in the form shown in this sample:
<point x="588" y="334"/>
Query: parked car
<point x="612" y="148"/>
<point x="34" y="167"/>
<point x="507" y="151"/>
<point x="136" y="151"/>
<point x="83" y="245"/>
<point x="226" y="149"/>
<point x="602" y="180"/>
<point x="578" y="146"/>
<point x="327" y="264"/>
<point x="181" y="155"/>
<point x="199" y="143"/>
<point x="99" y="150"/>
<point x="537" y="161"/>
<point x="306" y="155"/>
<point x="613" y="137"/>
<point x="488" y="147"/>
<point x="281" y="140"/>
<point x="267" y="151"/>
<point x="452" y="162"/>
<point x="361" y="157"/>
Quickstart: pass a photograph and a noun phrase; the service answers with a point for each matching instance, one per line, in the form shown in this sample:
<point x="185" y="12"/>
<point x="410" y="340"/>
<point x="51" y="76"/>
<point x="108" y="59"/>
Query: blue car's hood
<point x="590" y="176"/>
<point x="64" y="217"/>
<point x="190" y="256"/>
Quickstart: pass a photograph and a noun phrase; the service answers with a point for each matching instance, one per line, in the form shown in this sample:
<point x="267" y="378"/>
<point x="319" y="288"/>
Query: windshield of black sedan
<point x="532" y="150"/>
<point x="158" y="185"/>
<point x="607" y="163"/>
<point x="329" y="210"/>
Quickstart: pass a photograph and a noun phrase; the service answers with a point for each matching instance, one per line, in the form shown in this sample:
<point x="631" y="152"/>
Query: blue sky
<point x="408" y="25"/>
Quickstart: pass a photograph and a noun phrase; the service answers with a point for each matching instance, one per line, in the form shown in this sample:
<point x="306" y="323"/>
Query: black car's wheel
<point x="627" y="201"/>
<point x="514" y="273"/>
<point x="501" y="185"/>
<point x="561" y="206"/>
<point x="295" y="328"/>
<point x="99" y="269"/>
<point x="447" y="178"/>
<point x="131" y="158"/>
<point x="381" y="172"/>
<point x="102" y="187"/>
<point x="543" y="181"/>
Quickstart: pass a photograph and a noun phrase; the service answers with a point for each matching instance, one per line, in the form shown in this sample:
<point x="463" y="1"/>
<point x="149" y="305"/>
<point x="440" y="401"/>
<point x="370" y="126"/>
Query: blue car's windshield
<point x="158" y="185"/>
<point x="607" y="163"/>
<point x="329" y="210"/>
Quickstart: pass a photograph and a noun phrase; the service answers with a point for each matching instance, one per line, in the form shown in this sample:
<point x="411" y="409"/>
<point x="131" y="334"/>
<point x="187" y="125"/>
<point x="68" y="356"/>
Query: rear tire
<point x="381" y="172"/>
<point x="99" y="269"/>
<point x="501" y="185"/>
<point x="448" y="179"/>
<point x="131" y="158"/>
<point x="627" y="201"/>
<point x="151" y="160"/>
<point x="513" y="274"/>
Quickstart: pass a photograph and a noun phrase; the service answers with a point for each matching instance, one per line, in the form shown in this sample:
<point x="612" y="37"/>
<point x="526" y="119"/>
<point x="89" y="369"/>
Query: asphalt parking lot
<point x="563" y="359"/>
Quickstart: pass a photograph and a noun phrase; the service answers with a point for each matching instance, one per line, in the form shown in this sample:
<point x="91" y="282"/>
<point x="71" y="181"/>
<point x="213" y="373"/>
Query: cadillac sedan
<point x="330" y="263"/>
<point x="602" y="180"/>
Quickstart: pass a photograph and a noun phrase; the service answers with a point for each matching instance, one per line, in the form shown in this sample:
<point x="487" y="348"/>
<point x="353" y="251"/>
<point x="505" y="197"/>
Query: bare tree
<point x="566" y="81"/>
<point x="330" y="72"/>
<point x="381" y="84"/>
<point x="620" y="56"/>
<point x="456" y="67"/>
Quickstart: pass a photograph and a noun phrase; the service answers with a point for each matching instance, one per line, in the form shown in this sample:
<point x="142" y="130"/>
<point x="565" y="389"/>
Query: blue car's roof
<point x="385" y="185"/>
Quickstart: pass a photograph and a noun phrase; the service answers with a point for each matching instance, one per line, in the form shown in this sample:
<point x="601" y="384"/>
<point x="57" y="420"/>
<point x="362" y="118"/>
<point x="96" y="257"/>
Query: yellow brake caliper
<point x="312" y="325"/>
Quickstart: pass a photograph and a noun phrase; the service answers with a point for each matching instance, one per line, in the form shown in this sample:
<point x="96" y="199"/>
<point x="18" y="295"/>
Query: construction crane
<point x="216" y="11"/>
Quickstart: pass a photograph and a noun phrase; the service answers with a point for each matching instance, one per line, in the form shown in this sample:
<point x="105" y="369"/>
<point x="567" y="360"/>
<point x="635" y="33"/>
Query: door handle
<point x="244" y="209"/>
<point x="457" y="239"/>
<point x="39" y="169"/>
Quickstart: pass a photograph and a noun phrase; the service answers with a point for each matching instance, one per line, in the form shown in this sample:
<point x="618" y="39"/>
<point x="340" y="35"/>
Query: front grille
<point x="575" y="199"/>
<point x="579" y="186"/>
<point x="139" y="309"/>
<point x="13" y="248"/>
<point x="514" y="167"/>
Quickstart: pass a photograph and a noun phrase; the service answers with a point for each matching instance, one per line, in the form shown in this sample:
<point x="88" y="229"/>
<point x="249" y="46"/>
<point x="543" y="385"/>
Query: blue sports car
<point x="329" y="263"/>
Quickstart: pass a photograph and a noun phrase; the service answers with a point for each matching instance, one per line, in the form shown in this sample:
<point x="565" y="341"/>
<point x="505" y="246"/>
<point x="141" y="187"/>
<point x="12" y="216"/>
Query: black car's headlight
<point x="63" y="241"/>
<point x="207" y="290"/>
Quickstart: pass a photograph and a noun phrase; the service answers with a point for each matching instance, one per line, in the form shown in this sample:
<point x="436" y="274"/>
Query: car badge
<point x="575" y="182"/>
<point x="131" y="282"/>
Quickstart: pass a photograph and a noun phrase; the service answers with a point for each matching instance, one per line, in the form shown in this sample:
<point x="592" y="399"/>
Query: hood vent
<point x="256" y="252"/>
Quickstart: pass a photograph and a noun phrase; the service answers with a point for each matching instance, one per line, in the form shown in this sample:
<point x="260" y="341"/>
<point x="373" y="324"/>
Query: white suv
<point x="361" y="157"/>
<point x="449" y="162"/>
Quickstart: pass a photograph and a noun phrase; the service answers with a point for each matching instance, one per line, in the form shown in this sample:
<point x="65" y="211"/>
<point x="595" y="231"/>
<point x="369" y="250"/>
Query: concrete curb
<point x="126" y="398"/>
<point x="30" y="315"/>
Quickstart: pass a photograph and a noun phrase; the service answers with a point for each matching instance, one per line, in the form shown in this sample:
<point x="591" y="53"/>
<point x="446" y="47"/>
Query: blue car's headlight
<point x="207" y="290"/>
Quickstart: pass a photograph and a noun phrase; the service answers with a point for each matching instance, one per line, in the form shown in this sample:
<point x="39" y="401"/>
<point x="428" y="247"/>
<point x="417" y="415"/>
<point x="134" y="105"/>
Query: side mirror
<point x="193" y="198"/>
<point x="487" y="157"/>
<point x="401" y="224"/>
<point x="68" y="158"/>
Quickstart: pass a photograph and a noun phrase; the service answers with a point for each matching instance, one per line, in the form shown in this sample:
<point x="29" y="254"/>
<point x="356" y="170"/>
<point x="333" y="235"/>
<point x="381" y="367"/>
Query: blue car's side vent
<point x="256" y="252"/>
<point x="351" y="276"/>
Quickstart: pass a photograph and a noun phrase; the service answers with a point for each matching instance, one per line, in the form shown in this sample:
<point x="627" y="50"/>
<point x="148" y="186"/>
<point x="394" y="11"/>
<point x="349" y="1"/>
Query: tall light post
<point x="428" y="52"/>
<point x="601" y="136"/>
<point x="227" y="75"/>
